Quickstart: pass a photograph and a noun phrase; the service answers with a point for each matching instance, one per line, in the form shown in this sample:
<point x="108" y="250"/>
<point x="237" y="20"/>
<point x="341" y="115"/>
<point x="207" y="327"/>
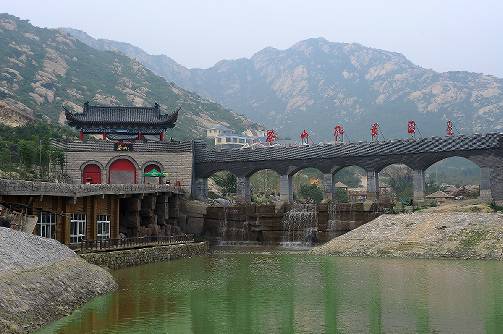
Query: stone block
<point x="265" y="209"/>
<point x="194" y="208"/>
<point x="195" y="225"/>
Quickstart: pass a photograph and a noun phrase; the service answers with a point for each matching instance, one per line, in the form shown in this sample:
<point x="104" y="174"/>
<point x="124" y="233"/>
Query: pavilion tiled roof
<point x="107" y="118"/>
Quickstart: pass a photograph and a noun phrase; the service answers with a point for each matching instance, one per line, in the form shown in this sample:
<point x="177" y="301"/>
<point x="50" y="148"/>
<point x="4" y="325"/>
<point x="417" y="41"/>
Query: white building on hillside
<point x="228" y="138"/>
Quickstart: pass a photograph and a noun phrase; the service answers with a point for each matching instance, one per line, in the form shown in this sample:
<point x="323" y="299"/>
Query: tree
<point x="399" y="179"/>
<point x="226" y="181"/>
<point x="27" y="153"/>
<point x="312" y="192"/>
<point x="350" y="176"/>
<point x="341" y="195"/>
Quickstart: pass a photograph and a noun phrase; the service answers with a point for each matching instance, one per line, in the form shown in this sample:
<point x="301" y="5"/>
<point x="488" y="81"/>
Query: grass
<point x="471" y="239"/>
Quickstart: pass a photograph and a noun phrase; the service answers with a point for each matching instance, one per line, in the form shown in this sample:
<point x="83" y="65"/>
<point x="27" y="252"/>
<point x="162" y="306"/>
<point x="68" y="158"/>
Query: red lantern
<point x="339" y="133"/>
<point x="411" y="128"/>
<point x="374" y="131"/>
<point x="271" y="136"/>
<point x="304" y="137"/>
<point x="449" y="128"/>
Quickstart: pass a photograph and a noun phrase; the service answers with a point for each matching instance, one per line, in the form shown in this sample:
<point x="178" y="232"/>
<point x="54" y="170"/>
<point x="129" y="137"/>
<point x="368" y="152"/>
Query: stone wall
<point x="133" y="257"/>
<point x="263" y="223"/>
<point x="177" y="165"/>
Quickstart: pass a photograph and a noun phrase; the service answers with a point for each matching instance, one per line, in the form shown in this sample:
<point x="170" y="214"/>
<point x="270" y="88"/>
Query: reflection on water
<point x="297" y="293"/>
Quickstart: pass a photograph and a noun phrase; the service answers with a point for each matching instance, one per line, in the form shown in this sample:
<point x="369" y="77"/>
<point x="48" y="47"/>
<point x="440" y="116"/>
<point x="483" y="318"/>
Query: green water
<point x="297" y="293"/>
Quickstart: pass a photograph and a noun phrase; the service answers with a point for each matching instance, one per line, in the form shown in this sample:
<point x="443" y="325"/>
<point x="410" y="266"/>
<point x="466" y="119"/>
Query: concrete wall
<point x="133" y="257"/>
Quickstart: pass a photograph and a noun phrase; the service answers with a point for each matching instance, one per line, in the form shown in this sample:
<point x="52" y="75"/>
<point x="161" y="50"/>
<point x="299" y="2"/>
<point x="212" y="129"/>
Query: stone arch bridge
<point x="484" y="150"/>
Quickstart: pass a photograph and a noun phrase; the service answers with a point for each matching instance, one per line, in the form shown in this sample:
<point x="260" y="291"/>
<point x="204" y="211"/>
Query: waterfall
<point x="332" y="219"/>
<point x="300" y="225"/>
<point x="232" y="231"/>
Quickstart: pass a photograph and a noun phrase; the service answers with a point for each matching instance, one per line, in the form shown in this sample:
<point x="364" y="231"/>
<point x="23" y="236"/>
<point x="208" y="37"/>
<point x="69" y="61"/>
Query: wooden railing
<point x="128" y="243"/>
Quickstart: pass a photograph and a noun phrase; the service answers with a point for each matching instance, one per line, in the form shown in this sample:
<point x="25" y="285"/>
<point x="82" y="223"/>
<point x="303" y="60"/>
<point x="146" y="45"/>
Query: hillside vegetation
<point x="316" y="84"/>
<point x="43" y="69"/>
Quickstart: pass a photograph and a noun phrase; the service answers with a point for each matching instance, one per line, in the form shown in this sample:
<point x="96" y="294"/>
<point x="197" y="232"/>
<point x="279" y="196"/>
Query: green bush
<point x="311" y="192"/>
<point x="226" y="181"/>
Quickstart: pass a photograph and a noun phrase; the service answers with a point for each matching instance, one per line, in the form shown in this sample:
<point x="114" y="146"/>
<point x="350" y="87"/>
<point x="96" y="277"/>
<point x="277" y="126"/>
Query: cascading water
<point x="232" y="232"/>
<point x="300" y="225"/>
<point x="332" y="220"/>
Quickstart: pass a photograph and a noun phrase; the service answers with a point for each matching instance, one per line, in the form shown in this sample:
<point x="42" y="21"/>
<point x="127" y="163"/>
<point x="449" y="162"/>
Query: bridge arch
<point x="264" y="186"/>
<point x="222" y="183"/>
<point x="458" y="176"/>
<point x="307" y="184"/>
<point x="395" y="183"/>
<point x="349" y="184"/>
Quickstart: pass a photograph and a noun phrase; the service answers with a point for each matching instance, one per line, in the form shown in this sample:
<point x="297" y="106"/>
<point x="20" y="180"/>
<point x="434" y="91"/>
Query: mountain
<point x="43" y="69"/>
<point x="316" y="84"/>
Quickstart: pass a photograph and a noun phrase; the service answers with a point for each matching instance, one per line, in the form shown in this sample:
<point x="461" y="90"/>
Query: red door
<point x="91" y="174"/>
<point x="122" y="171"/>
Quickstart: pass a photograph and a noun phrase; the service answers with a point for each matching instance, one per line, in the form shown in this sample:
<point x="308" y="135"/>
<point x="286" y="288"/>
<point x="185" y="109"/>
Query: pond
<point x="297" y="293"/>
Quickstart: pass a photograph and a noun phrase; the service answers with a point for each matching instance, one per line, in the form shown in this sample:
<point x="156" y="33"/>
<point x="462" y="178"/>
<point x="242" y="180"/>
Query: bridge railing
<point x="128" y="243"/>
<point x="20" y="187"/>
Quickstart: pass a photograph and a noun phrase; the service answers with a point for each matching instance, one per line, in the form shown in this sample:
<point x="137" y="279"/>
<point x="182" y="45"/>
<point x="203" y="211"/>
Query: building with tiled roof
<point x="121" y="121"/>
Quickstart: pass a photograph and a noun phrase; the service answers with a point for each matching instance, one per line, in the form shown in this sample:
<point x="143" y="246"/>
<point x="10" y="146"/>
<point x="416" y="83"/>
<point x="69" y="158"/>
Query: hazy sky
<point x="439" y="34"/>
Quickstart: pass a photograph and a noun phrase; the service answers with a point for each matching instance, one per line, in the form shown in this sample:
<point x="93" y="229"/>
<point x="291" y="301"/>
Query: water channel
<point x="274" y="292"/>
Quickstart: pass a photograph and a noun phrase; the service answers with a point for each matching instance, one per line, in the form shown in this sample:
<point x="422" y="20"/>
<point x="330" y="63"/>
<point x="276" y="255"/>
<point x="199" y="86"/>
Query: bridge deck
<point x="357" y="149"/>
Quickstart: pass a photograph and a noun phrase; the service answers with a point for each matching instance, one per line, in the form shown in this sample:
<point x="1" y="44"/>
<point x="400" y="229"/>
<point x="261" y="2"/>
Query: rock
<point x="423" y="235"/>
<point x="42" y="280"/>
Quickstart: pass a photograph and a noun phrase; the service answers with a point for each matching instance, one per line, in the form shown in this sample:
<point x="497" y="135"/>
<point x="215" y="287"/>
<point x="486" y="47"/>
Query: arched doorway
<point x="152" y="180"/>
<point x="122" y="171"/>
<point x="91" y="174"/>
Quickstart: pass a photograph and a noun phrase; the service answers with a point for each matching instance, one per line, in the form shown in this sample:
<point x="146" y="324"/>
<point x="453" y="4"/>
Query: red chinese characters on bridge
<point x="271" y="136"/>
<point x="374" y="131"/>
<point x="304" y="137"/>
<point x="339" y="133"/>
<point x="411" y="128"/>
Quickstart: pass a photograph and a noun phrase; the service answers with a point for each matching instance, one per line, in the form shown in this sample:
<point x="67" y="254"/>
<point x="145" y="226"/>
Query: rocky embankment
<point x="42" y="280"/>
<point x="423" y="235"/>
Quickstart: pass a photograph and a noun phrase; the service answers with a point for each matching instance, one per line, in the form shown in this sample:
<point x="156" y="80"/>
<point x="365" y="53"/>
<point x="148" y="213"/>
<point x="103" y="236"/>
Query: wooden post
<point x="92" y="219"/>
<point x="115" y="223"/>
<point x="65" y="221"/>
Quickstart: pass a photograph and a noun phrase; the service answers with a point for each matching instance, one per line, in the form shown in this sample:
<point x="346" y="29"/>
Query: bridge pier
<point x="328" y="187"/>
<point x="243" y="188"/>
<point x="285" y="188"/>
<point x="485" y="185"/>
<point x="200" y="189"/>
<point x="372" y="185"/>
<point x="418" y="186"/>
